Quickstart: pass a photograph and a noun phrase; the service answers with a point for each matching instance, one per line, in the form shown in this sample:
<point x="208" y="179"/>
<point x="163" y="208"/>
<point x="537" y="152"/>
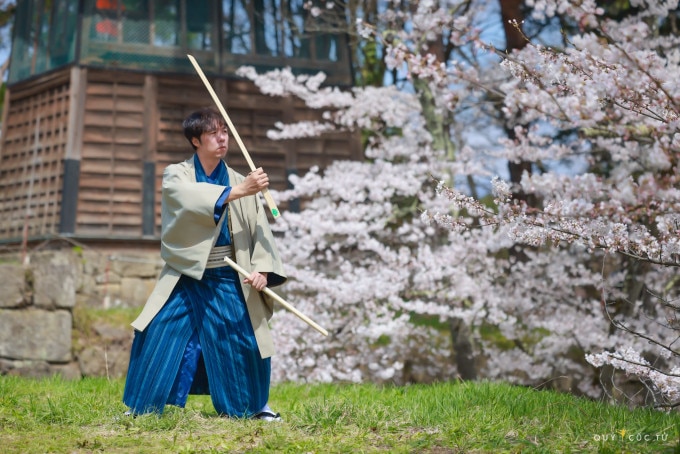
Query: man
<point x="203" y="329"/>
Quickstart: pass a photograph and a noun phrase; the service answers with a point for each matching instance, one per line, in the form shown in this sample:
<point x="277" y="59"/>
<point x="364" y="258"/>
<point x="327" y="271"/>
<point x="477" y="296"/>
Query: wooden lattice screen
<point x="31" y="158"/>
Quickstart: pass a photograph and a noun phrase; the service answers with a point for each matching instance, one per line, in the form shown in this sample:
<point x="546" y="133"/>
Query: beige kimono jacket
<point x="189" y="233"/>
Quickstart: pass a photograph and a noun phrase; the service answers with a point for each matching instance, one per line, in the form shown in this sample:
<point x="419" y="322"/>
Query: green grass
<point x="53" y="415"/>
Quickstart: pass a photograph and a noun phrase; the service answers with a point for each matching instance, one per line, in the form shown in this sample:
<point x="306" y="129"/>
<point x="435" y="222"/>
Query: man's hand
<point x="255" y="182"/>
<point x="257" y="280"/>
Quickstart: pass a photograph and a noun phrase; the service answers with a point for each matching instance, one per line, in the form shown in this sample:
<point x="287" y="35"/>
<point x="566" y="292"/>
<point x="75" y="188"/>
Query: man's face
<point x="213" y="144"/>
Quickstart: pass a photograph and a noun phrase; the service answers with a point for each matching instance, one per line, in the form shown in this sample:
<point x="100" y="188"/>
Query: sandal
<point x="268" y="416"/>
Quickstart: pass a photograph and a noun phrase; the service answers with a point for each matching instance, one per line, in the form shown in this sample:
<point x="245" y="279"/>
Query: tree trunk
<point x="512" y="17"/>
<point x="463" y="349"/>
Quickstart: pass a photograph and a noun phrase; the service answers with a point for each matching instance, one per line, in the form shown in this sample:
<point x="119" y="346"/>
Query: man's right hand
<point x="255" y="182"/>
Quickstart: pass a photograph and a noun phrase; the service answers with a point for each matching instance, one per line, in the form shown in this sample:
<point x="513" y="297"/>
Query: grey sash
<point x="217" y="255"/>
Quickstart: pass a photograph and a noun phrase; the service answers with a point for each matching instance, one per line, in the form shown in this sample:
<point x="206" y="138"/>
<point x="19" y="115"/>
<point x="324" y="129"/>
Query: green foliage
<point x="530" y="337"/>
<point x="617" y="9"/>
<point x="371" y="67"/>
<point x="7" y="11"/>
<point x="493" y="335"/>
<point x="54" y="415"/>
<point x="119" y="317"/>
<point x="84" y="318"/>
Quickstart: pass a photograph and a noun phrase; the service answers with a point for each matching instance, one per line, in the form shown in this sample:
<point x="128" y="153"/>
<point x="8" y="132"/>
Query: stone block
<point x="35" y="334"/>
<point x="113" y="334"/>
<point x="135" y="291"/>
<point x="104" y="361"/>
<point x="94" y="262"/>
<point x="13" y="292"/>
<point x="136" y="266"/>
<point x="110" y="295"/>
<point x="31" y="369"/>
<point x="92" y="300"/>
<point x="40" y="369"/>
<point x="69" y="371"/>
<point x="88" y="285"/>
<point x="108" y="277"/>
<point x="55" y="279"/>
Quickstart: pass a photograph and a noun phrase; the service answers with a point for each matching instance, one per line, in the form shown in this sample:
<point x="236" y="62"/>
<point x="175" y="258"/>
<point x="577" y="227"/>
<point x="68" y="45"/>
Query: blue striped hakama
<point x="167" y="364"/>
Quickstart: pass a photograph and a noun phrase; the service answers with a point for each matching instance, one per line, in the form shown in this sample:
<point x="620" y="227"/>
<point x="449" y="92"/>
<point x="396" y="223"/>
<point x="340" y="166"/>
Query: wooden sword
<point x="265" y="192"/>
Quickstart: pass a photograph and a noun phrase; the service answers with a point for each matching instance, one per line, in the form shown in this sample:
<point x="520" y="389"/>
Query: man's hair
<point x="206" y="119"/>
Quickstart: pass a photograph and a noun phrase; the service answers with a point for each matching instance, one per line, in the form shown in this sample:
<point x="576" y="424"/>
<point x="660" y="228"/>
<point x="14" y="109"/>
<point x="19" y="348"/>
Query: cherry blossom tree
<point x="616" y="86"/>
<point x="388" y="252"/>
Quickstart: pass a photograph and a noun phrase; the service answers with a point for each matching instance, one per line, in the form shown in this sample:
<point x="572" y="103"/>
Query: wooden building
<point x="97" y="90"/>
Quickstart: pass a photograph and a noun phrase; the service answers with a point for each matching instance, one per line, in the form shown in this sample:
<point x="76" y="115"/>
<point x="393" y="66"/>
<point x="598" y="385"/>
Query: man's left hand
<point x="257" y="280"/>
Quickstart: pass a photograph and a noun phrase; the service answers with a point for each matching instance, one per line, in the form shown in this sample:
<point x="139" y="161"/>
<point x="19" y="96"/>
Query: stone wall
<point x="44" y="302"/>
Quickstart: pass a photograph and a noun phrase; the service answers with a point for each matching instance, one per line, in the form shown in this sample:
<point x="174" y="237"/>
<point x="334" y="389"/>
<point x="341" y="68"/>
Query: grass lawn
<point x="86" y="416"/>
